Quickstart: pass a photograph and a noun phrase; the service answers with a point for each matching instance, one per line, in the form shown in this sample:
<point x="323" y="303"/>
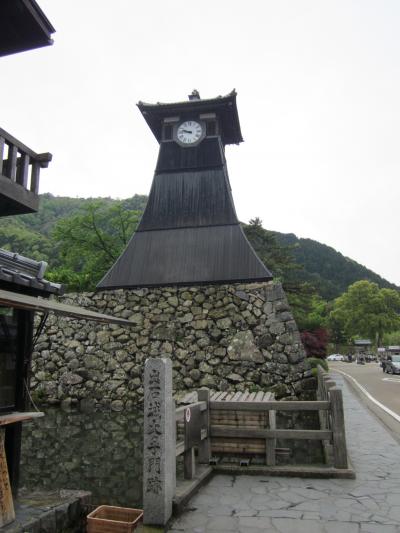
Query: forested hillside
<point x="319" y="265"/>
<point x="327" y="270"/>
<point x="31" y="235"/>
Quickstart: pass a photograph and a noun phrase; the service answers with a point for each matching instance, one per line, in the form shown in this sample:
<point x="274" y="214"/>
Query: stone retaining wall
<point x="225" y="337"/>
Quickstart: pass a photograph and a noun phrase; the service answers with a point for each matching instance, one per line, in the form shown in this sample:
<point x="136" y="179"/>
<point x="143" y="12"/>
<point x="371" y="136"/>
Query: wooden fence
<point x="244" y="424"/>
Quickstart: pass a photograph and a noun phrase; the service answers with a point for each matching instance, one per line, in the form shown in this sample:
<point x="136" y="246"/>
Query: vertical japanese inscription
<point x="159" y="462"/>
<point x="153" y="432"/>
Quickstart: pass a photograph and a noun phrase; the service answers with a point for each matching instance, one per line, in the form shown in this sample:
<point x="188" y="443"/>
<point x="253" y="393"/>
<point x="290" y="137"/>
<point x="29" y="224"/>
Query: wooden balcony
<point x="19" y="176"/>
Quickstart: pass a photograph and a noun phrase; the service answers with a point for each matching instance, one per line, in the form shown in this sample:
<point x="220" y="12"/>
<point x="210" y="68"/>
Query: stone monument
<point x="159" y="460"/>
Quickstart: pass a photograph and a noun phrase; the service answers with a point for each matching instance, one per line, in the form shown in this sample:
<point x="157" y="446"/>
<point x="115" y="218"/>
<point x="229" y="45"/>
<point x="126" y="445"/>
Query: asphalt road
<point x="385" y="388"/>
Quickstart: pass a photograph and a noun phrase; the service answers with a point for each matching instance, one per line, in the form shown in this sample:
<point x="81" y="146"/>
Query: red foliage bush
<point x="315" y="342"/>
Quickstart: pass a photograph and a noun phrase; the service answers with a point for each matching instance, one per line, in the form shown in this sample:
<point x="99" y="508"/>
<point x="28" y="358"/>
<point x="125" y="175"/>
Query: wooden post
<point x="35" y="172"/>
<point x="205" y="446"/>
<point x="12" y="162"/>
<point x="328" y="385"/>
<point x="270" y="444"/>
<point x="338" y="429"/>
<point x="189" y="464"/>
<point x="326" y="418"/>
<point x="159" y="438"/>
<point x="7" y="513"/>
<point x="2" y="143"/>
<point x="320" y="383"/>
<point x="22" y="170"/>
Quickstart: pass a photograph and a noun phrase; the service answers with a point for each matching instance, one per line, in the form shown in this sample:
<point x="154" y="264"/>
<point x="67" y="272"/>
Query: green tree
<point x="366" y="310"/>
<point x="90" y="242"/>
<point x="276" y="257"/>
<point x="308" y="308"/>
<point x="392" y="339"/>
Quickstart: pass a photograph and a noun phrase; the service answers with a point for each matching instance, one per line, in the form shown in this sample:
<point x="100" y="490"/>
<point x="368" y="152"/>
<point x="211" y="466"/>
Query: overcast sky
<point x="318" y="87"/>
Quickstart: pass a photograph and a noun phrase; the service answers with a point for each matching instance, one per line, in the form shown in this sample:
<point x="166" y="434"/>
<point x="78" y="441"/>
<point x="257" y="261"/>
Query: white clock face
<point x="189" y="132"/>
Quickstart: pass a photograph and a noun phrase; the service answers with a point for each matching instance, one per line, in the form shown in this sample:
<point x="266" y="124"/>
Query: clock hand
<point x="187" y="131"/>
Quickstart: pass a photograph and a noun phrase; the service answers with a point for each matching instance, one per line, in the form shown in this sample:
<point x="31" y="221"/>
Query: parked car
<point x="392" y="364"/>
<point x="335" y="357"/>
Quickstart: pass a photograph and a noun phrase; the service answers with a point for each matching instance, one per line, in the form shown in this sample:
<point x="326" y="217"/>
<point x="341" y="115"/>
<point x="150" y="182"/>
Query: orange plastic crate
<point x="110" y="519"/>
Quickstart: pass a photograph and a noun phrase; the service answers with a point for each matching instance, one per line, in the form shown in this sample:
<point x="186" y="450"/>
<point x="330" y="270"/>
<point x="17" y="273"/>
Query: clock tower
<point x="189" y="233"/>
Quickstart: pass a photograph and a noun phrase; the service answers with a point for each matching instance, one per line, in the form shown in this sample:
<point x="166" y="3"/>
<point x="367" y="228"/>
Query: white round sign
<point x="187" y="414"/>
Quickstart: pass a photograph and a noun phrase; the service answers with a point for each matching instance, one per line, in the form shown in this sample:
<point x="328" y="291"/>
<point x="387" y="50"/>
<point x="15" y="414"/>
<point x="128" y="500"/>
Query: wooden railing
<point x="20" y="164"/>
<point x="249" y="435"/>
<point x="193" y="431"/>
<point x="332" y="420"/>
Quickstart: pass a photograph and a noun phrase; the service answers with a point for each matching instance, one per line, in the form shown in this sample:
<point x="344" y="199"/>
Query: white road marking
<point x="368" y="395"/>
<point x="391" y="379"/>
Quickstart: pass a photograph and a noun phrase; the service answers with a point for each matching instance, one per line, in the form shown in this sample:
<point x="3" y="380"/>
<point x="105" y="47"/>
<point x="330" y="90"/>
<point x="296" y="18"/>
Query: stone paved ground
<point x="251" y="504"/>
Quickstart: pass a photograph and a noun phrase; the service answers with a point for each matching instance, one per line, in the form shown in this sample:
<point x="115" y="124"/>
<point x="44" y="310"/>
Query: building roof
<point x="186" y="256"/>
<point x="32" y="303"/>
<point x="223" y="106"/>
<point x="26" y="272"/>
<point x="23" y="26"/>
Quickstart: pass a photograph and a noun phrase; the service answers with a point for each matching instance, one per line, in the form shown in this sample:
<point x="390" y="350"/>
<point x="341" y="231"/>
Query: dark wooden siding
<point x="209" y="153"/>
<point x="188" y="199"/>
<point x="186" y="256"/>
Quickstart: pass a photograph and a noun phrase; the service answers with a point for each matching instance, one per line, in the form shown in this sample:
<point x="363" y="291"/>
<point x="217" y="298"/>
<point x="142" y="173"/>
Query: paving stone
<point x="393" y="499"/>
<point x="232" y="499"/>
<point x="192" y="520"/>
<point x="260" y="523"/>
<point x="261" y="502"/>
<point x="287" y="525"/>
<point x="285" y="513"/>
<point x="394" y="512"/>
<point x="291" y="496"/>
<point x="379" y="528"/>
<point x="203" y="499"/>
<point x="222" y="530"/>
<point x="341" y="527"/>
<point x="247" y="512"/>
<point x="221" y="510"/>
<point x="382" y="519"/>
<point x="310" y="516"/>
<point x="222" y="522"/>
<point x="311" y="494"/>
<point x="246" y="529"/>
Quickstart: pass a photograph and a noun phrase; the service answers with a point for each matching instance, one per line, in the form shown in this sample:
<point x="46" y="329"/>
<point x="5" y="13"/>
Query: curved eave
<point x="262" y="279"/>
<point x="224" y="106"/>
<point x="23" y="26"/>
<point x="186" y="256"/>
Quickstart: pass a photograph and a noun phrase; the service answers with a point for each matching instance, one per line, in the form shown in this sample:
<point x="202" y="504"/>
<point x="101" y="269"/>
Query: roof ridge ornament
<point x="195" y="95"/>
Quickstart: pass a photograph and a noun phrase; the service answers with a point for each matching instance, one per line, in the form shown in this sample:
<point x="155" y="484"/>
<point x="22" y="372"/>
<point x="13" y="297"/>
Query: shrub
<point x="315" y="342"/>
<point x="315" y="361"/>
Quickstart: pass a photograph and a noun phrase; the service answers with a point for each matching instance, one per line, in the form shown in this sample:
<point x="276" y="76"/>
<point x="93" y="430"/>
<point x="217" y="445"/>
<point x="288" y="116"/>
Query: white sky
<point x="318" y="86"/>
